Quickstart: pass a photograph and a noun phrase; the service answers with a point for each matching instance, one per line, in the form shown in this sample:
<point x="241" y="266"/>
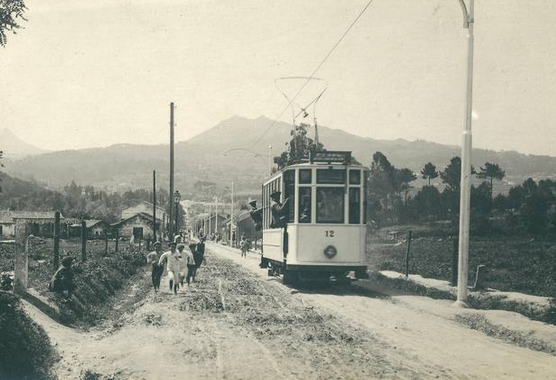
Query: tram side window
<point x="330" y="204"/>
<point x="304" y="211"/>
<point x="289" y="182"/>
<point x="354" y="205"/>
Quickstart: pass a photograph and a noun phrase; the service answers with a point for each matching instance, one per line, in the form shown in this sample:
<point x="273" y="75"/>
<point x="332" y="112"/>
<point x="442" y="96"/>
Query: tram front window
<point x="330" y="204"/>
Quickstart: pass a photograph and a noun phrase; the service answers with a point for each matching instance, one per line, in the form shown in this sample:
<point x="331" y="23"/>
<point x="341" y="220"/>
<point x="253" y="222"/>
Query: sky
<point x="94" y="73"/>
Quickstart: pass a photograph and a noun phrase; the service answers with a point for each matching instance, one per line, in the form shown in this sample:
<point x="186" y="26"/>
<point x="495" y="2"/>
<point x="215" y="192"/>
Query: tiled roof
<point x="8" y="216"/>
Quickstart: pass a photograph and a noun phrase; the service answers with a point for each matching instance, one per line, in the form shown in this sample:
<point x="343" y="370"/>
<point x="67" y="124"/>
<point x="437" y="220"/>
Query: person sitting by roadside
<point x="62" y="280"/>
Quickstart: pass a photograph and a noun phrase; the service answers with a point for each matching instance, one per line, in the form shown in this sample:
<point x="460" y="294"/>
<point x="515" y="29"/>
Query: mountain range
<point x="237" y="148"/>
<point x="15" y="148"/>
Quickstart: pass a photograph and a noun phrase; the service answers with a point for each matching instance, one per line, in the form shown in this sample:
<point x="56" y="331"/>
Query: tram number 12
<point x="329" y="233"/>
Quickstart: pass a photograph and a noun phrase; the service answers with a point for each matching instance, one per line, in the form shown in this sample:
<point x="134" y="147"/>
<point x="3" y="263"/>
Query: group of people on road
<point x="181" y="263"/>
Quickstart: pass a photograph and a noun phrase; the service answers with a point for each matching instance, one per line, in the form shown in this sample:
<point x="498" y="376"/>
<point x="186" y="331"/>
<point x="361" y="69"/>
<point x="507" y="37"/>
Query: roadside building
<point x="242" y="225"/>
<point x="140" y="226"/>
<point x="96" y="229"/>
<point x="146" y="208"/>
<point x="39" y="223"/>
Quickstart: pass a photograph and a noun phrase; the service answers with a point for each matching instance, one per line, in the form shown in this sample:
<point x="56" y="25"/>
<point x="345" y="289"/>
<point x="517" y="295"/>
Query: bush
<point x="25" y="349"/>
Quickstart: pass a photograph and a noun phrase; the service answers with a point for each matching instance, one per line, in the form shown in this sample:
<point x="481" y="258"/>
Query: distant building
<point x="210" y="224"/>
<point x="146" y="208"/>
<point x="243" y="225"/>
<point x="95" y="228"/>
<point x="39" y="223"/>
<point x="140" y="226"/>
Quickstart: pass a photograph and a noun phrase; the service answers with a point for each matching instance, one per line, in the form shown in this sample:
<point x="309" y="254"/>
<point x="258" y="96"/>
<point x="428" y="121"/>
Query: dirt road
<point x="236" y="323"/>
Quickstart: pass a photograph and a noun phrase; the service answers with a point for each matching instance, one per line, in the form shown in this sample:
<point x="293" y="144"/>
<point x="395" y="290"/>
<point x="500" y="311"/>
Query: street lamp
<point x="465" y="187"/>
<point x="177" y="199"/>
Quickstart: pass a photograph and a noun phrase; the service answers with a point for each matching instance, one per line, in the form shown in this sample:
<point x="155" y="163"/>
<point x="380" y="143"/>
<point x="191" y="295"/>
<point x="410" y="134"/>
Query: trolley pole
<point x="170" y="229"/>
<point x="465" y="187"/>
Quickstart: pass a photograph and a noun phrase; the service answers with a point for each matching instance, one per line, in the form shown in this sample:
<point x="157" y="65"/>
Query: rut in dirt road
<point x="231" y="324"/>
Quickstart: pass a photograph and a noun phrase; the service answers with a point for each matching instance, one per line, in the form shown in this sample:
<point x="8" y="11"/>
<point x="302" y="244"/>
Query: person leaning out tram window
<point x="256" y="215"/>
<point x="278" y="210"/>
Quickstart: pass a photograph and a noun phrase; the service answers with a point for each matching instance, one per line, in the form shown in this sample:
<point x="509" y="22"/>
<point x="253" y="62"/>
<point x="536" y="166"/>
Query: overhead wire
<point x="314" y="72"/>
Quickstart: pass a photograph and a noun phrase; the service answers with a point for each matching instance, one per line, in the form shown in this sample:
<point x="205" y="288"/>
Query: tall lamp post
<point x="177" y="199"/>
<point x="465" y="187"/>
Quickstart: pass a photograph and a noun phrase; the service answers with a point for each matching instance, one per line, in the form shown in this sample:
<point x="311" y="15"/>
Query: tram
<point x="325" y="231"/>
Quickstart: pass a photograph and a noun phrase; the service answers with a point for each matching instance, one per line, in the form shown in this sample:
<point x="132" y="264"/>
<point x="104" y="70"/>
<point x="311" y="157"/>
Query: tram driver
<point x="278" y="210"/>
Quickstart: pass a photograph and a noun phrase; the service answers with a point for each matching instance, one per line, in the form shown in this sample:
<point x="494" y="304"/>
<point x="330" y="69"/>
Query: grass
<point x="519" y="264"/>
<point x="25" y="350"/>
<point x="96" y="280"/>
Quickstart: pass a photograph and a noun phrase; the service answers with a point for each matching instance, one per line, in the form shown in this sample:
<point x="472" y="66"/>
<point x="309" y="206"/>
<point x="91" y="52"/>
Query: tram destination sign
<point x="330" y="156"/>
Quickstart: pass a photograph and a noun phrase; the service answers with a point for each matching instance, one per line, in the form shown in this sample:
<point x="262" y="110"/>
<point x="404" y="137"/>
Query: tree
<point x="403" y="179"/>
<point x="429" y="172"/>
<point x="492" y="172"/>
<point x="11" y="11"/>
<point x="299" y="147"/>
<point x="451" y="175"/>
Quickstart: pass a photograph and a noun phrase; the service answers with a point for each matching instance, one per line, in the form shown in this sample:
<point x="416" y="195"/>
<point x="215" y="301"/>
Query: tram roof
<point x="308" y="164"/>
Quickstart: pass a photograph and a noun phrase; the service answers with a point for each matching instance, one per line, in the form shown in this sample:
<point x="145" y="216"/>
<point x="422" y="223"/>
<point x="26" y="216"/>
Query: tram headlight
<point x="330" y="251"/>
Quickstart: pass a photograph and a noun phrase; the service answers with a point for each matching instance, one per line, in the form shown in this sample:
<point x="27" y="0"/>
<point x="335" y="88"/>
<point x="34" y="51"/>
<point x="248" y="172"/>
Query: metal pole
<point x="177" y="204"/>
<point x="210" y="222"/>
<point x="216" y="216"/>
<point x="56" y="258"/>
<point x="465" y="188"/>
<point x="117" y="238"/>
<point x="171" y="194"/>
<point x="154" y="205"/>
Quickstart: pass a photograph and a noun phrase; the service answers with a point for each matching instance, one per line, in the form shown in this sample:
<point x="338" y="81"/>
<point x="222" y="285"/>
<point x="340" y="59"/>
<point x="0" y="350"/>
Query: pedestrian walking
<point x="243" y="246"/>
<point x="189" y="261"/>
<point x="173" y="266"/>
<point x="198" y="255"/>
<point x="156" y="268"/>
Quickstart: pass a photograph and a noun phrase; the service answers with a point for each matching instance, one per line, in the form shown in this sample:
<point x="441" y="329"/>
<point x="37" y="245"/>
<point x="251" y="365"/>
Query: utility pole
<point x="83" y="241"/>
<point x="154" y="205"/>
<point x="210" y="221"/>
<point x="216" y="216"/>
<point x="56" y="260"/>
<point x="232" y="215"/>
<point x="269" y="159"/>
<point x="466" y="147"/>
<point x="171" y="193"/>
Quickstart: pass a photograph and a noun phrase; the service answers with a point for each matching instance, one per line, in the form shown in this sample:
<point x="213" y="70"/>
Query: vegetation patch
<point x="480" y="323"/>
<point x="26" y="352"/>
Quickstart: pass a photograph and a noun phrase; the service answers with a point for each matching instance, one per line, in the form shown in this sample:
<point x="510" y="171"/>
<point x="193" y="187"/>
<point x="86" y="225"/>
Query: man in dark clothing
<point x="198" y="251"/>
<point x="278" y="210"/>
<point x="63" y="278"/>
<point x="256" y="215"/>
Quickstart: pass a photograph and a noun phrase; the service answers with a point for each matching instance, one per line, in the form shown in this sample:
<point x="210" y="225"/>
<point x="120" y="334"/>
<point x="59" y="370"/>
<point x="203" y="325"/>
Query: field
<point x="514" y="263"/>
<point x="96" y="280"/>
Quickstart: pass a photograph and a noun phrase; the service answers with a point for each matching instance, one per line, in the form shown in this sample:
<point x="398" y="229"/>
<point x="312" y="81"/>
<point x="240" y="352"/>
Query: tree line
<point x="529" y="207"/>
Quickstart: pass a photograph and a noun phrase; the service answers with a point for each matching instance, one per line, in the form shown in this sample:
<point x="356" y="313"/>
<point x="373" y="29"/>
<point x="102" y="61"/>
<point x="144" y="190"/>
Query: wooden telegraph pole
<point x="56" y="258"/>
<point x="21" y="263"/>
<point x="154" y="206"/>
<point x="83" y="241"/>
<point x="171" y="194"/>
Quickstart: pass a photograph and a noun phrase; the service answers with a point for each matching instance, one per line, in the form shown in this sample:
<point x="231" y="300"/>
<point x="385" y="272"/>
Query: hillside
<point x="202" y="158"/>
<point x="14" y="148"/>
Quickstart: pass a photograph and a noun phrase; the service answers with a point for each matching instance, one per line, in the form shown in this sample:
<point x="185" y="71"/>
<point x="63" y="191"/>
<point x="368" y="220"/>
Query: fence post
<point x="105" y="243"/>
<point x="56" y="259"/>
<point x="407" y="254"/>
<point x="454" y="279"/>
<point x="21" y="264"/>
<point x="83" y="241"/>
<point x="117" y="238"/>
